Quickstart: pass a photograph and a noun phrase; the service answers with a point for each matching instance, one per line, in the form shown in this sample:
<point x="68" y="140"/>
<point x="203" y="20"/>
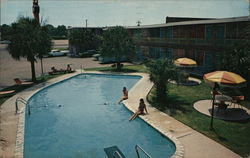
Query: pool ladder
<point x="114" y="152"/>
<point x="82" y="69"/>
<point x="20" y="99"/>
<point x="137" y="151"/>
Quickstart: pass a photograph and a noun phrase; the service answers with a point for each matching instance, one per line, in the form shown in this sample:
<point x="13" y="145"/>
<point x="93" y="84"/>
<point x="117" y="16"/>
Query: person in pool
<point x="125" y="95"/>
<point x="140" y="111"/>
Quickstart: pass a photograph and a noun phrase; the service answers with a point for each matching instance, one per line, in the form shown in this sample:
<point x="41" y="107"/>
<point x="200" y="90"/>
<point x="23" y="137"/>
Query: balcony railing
<point x="185" y="42"/>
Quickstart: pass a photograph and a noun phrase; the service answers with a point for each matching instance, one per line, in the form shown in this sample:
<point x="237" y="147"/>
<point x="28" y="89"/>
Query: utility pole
<point x="0" y="22"/>
<point x="36" y="10"/>
<point x="86" y="22"/>
<point x="138" y="23"/>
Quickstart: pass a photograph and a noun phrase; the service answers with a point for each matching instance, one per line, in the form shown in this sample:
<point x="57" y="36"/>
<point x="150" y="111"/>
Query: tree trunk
<point x="161" y="92"/>
<point x="33" y="71"/>
<point x="118" y="66"/>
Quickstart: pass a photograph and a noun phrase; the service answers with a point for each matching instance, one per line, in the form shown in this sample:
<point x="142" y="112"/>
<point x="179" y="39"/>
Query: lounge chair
<point x="19" y="82"/>
<point x="7" y="93"/>
<point x="236" y="101"/>
<point x="61" y="71"/>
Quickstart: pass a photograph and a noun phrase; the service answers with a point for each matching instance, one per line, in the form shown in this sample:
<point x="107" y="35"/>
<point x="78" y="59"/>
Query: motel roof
<point x="196" y="22"/>
<point x="192" y="22"/>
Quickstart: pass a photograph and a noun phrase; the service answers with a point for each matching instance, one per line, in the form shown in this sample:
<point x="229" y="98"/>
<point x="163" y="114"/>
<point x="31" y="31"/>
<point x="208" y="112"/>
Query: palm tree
<point x="29" y="40"/>
<point x="117" y="44"/>
<point x="161" y="70"/>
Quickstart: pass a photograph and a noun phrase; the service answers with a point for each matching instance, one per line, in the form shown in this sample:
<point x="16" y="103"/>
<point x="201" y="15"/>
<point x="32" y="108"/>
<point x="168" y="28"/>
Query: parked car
<point x="56" y="53"/>
<point x="88" y="53"/>
<point x="5" y="42"/>
<point x="96" y="56"/>
<point x="65" y="52"/>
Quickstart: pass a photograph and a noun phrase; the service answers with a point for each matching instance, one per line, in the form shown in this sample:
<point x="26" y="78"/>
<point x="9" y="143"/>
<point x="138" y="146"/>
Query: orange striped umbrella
<point x="185" y="62"/>
<point x="224" y="77"/>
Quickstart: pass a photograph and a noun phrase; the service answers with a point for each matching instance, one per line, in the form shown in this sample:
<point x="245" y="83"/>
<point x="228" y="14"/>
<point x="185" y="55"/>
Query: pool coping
<point x="19" y="147"/>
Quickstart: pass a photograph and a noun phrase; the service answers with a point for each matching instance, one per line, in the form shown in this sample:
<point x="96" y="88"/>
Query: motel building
<point x="197" y="38"/>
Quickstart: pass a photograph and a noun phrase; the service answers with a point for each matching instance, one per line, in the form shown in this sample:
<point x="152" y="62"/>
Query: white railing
<point x="20" y="99"/>
<point x="137" y="151"/>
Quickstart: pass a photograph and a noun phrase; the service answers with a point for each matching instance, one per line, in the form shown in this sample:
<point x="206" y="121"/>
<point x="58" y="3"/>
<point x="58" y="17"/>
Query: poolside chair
<point x="236" y="101"/>
<point x="54" y="71"/>
<point x="7" y="93"/>
<point x="19" y="82"/>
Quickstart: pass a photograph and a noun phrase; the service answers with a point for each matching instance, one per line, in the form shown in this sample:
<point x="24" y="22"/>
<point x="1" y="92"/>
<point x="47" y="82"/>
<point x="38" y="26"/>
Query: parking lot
<point x="10" y="68"/>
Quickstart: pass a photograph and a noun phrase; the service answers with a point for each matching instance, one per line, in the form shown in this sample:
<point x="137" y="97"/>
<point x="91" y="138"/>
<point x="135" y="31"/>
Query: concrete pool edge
<point x="141" y="90"/>
<point x="27" y="94"/>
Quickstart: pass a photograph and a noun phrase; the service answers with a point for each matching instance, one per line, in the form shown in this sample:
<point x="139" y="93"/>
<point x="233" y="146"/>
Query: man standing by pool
<point x="125" y="95"/>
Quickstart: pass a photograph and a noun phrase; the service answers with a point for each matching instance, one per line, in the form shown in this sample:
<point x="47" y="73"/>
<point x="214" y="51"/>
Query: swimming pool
<point x="80" y="116"/>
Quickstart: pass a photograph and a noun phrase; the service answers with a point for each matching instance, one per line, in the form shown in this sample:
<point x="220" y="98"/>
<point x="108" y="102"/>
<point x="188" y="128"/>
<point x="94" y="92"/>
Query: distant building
<point x="200" y="39"/>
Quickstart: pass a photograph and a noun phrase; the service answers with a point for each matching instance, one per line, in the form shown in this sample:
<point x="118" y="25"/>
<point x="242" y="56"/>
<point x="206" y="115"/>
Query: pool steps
<point x="115" y="152"/>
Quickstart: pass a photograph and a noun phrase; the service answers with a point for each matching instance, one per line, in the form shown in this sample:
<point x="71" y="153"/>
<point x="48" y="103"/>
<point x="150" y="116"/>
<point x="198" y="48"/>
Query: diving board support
<point x="114" y="152"/>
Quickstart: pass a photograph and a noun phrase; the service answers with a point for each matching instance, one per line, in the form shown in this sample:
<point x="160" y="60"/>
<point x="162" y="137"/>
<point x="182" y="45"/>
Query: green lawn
<point x="234" y="135"/>
<point x="129" y="68"/>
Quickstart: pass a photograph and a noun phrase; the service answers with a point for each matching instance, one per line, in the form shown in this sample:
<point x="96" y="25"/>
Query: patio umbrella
<point x="223" y="78"/>
<point x="185" y="62"/>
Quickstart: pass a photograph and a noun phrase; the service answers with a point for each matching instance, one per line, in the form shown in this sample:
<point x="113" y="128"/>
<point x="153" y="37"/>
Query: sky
<point x="120" y="12"/>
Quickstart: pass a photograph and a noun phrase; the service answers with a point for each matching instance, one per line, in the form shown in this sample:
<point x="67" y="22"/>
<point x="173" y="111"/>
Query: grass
<point x="125" y="69"/>
<point x="234" y="135"/>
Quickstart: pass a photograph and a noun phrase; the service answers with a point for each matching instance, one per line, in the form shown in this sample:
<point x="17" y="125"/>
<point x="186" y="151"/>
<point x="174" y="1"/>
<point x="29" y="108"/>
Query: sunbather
<point x="125" y="95"/>
<point x="141" y="108"/>
<point x="19" y="82"/>
<point x="55" y="71"/>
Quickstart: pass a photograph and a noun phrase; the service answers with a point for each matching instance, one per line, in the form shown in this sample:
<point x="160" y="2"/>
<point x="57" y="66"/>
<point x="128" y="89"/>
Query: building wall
<point x="209" y="35"/>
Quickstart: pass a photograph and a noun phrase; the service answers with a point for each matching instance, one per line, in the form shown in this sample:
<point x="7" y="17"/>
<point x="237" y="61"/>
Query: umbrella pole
<point x="212" y="115"/>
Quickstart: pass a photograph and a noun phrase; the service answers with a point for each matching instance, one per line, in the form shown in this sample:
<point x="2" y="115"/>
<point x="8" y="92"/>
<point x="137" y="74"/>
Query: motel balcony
<point x="207" y="44"/>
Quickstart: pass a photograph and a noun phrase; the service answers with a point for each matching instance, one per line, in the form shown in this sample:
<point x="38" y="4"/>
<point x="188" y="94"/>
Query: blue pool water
<point x="80" y="116"/>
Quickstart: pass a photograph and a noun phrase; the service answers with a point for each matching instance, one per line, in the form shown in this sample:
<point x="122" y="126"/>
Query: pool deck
<point x="189" y="143"/>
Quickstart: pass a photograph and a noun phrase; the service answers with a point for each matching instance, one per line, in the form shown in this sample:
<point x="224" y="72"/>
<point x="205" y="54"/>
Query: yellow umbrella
<point x="224" y="77"/>
<point x="185" y="62"/>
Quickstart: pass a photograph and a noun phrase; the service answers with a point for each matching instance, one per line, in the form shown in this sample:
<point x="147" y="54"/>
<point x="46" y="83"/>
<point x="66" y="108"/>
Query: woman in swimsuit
<point x="125" y="95"/>
<point x="141" y="108"/>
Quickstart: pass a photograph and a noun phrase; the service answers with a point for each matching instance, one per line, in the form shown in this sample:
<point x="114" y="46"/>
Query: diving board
<point x="114" y="152"/>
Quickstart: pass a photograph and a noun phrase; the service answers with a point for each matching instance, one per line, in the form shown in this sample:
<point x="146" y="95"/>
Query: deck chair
<point x="7" y="93"/>
<point x="19" y="82"/>
<point x="236" y="101"/>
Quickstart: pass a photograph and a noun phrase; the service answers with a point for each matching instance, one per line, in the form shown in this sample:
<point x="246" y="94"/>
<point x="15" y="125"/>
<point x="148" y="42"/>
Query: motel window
<point x="231" y="31"/>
